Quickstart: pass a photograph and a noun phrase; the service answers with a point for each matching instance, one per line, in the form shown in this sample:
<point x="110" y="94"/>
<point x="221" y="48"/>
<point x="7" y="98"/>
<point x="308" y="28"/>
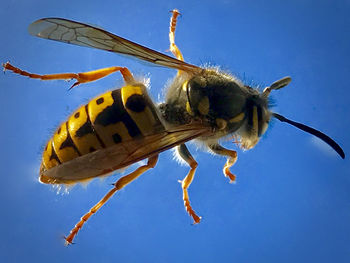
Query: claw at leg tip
<point x="66" y="242"/>
<point x="4" y="66"/>
<point x="197" y="220"/>
<point x="233" y="181"/>
<point x="75" y="84"/>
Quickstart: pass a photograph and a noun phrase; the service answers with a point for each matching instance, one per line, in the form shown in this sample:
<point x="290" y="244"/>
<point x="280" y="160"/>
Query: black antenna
<point x="312" y="131"/>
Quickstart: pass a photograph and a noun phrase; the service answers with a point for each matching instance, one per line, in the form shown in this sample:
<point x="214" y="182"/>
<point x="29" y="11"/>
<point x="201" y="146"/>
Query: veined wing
<point x="107" y="160"/>
<point x="80" y="34"/>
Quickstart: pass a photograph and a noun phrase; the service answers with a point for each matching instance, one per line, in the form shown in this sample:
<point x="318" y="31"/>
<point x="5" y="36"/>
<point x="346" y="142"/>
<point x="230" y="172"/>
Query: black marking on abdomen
<point x="68" y="142"/>
<point x="53" y="155"/>
<point x="86" y="128"/>
<point x="92" y="127"/>
<point x="136" y="103"/>
<point x="116" y="113"/>
<point x="100" y="100"/>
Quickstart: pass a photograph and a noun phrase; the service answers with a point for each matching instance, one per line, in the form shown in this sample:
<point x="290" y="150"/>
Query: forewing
<point x="76" y="33"/>
<point x="121" y="155"/>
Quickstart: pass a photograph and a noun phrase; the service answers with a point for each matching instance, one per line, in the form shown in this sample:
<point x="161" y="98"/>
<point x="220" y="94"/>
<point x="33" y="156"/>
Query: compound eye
<point x="264" y="118"/>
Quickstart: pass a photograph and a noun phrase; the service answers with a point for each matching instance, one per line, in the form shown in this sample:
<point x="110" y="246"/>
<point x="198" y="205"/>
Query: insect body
<point x="123" y="126"/>
<point x="118" y="116"/>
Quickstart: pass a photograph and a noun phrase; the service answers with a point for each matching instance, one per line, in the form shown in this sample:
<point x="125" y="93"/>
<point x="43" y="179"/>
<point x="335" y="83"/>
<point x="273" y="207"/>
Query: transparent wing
<point x="76" y="33"/>
<point x="121" y="155"/>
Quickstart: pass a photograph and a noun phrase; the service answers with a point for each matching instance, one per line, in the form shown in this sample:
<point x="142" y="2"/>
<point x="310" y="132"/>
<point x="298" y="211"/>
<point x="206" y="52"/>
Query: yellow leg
<point x="173" y="48"/>
<point x="83" y="77"/>
<point x="231" y="160"/>
<point x="185" y="183"/>
<point x="121" y="183"/>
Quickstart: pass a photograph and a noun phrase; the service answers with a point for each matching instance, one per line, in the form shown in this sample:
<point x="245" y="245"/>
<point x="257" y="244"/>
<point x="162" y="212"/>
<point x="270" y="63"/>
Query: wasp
<point x="124" y="126"/>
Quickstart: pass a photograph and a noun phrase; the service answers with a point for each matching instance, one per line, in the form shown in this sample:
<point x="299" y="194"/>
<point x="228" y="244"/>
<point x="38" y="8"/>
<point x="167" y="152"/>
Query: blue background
<point x="291" y="202"/>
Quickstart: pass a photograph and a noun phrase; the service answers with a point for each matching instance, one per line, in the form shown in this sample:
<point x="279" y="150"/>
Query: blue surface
<point x="291" y="202"/>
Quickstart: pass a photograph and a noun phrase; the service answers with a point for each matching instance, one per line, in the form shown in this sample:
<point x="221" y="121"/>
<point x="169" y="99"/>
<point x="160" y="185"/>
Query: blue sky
<point x="291" y="202"/>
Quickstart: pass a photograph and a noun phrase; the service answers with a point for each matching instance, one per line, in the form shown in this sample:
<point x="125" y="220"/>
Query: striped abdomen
<point x="113" y="117"/>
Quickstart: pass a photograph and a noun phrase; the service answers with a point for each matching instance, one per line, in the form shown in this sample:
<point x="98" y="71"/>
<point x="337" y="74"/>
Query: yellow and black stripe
<point x="109" y="119"/>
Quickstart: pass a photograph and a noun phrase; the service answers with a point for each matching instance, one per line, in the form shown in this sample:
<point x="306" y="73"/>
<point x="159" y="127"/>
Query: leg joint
<point x="193" y="164"/>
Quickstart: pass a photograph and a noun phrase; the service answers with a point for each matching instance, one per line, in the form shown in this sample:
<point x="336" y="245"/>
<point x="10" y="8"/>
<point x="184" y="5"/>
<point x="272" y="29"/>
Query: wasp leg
<point x="232" y="158"/>
<point x="123" y="181"/>
<point x="173" y="48"/>
<point x="83" y="77"/>
<point x="185" y="183"/>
